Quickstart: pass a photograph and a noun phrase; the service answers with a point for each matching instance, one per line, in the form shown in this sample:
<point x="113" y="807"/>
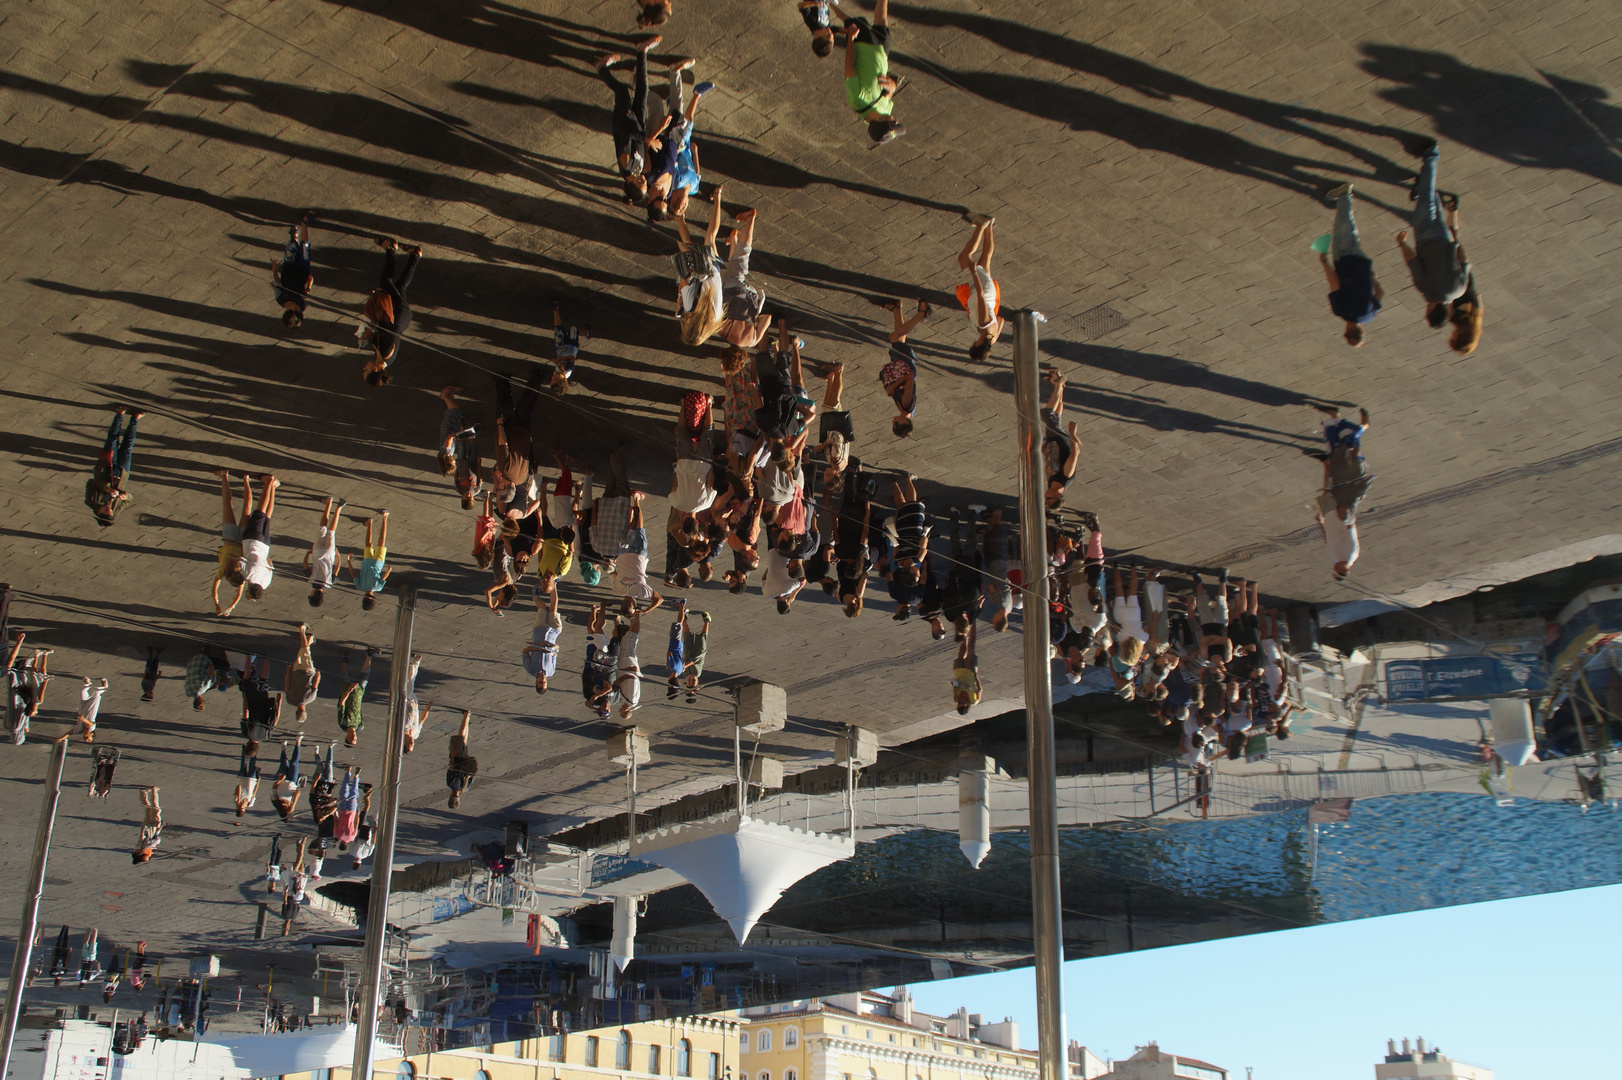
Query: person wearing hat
<point x="869" y="89"/>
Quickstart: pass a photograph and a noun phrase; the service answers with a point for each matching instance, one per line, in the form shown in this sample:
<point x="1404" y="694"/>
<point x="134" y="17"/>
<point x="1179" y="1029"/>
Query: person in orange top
<point x="980" y="297"/>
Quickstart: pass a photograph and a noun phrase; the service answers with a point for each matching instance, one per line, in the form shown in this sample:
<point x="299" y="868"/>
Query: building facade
<point x="1419" y="1062"/>
<point x="1152" y="1063"/>
<point x="696" y="1047"/>
<point x="874" y="1036"/>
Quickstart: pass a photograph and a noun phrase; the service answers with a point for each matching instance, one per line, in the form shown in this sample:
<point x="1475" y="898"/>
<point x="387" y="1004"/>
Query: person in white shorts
<point x="321" y="561"/>
<point x="413" y="717"/>
<point x="981" y="297"/>
<point x="1129" y="617"/>
<point x="628" y="675"/>
<point x="303" y="680"/>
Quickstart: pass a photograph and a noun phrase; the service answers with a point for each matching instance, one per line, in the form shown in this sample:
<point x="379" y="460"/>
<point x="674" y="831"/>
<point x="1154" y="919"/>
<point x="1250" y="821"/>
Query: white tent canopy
<point x="741" y="864"/>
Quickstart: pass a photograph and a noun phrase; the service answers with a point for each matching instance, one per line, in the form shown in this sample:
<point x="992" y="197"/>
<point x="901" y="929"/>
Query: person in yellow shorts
<point x="966" y="674"/>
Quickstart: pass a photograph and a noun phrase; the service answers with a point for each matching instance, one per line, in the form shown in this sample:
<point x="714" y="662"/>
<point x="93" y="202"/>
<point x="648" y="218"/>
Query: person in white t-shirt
<point x="628" y="675"/>
<point x="321" y="561"/>
<point x="257" y="568"/>
<point x="1129" y="616"/>
<point x="89" y="706"/>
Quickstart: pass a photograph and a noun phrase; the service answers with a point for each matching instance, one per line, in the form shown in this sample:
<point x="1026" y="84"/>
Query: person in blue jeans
<point x="1441" y="272"/>
<point x="104" y="492"/>
<point x="1354" y="291"/>
<point x="291" y="276"/>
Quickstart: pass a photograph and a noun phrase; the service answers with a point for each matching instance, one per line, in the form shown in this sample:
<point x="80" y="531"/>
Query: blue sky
<point x="1499" y="984"/>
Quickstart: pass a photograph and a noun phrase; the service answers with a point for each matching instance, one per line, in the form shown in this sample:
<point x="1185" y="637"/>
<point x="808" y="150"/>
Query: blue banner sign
<point x="1462" y="676"/>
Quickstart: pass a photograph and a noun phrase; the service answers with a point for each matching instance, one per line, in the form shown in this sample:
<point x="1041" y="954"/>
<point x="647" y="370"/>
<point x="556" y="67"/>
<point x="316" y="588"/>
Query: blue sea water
<point x="1433" y="849"/>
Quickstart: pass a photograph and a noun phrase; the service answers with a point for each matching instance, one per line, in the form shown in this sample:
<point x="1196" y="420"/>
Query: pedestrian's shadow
<point x="1158" y="84"/>
<point x="1514" y="119"/>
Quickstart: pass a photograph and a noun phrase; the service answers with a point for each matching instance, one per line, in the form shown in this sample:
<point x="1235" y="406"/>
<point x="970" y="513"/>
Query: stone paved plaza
<point x="1157" y="172"/>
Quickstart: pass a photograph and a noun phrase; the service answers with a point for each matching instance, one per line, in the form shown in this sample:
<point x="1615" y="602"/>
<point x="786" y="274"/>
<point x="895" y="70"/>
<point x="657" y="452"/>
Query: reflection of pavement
<point x="156" y="152"/>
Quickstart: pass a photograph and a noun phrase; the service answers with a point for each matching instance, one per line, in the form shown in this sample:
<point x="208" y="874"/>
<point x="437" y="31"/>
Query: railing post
<point x="36" y="888"/>
<point x="1046" y="912"/>
<point x="377" y="905"/>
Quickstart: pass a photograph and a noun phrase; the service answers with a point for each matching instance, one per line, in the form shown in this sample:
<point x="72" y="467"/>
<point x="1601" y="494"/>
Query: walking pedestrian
<point x="273" y="864"/>
<point x="817" y="20"/>
<point x="869" y="89"/>
<point x="699" y="284"/>
<point x="347" y="824"/>
<point x="260" y="709"/>
<point x="151" y="826"/>
<point x="104" y="492"/>
<point x="1346" y="480"/>
<point x="1061" y="444"/>
<point x="853" y="557"/>
<point x="388" y="313"/>
<point x="1001" y="564"/>
<point x="1354" y="291"/>
<point x="88" y="966"/>
<point x="463" y="765"/>
<point x="597" y="674"/>
<point x="1466" y="316"/>
<point x="540" y="657"/>
<point x="153" y="672"/>
<point x="374" y="567"/>
<point x="565" y="348"/>
<point x="101" y="775"/>
<point x="458" y="453"/>
<point x="413" y="717"/>
<point x="742" y="301"/>
<point x="349" y="713"/>
<point x="672" y="171"/>
<point x="961" y="596"/>
<point x="302" y="681"/>
<point x="247" y="792"/>
<point x="629" y="121"/>
<point x="627" y="684"/>
<point x="257" y="568"/>
<point x="631" y="565"/>
<point x="25" y="687"/>
<point x="89" y="707"/>
<point x="966" y="674"/>
<point x="209" y="670"/>
<point x="1441" y="272"/>
<point x="291" y="276"/>
<point x="61" y="954"/>
<point x="288" y="784"/>
<point x="981" y="297"/>
<point x="228" y="567"/>
<point x="899" y="376"/>
<point x="514" y="457"/>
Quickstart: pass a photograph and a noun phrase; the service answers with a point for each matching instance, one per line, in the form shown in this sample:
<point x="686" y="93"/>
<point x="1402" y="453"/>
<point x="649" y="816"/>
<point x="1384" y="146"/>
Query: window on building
<point x="980" y="1053"/>
<point x="788" y="1074"/>
<point x="554" y="1048"/>
<point x="622" y="1051"/>
<point x="481" y="1075"/>
<point x="764" y="1041"/>
<point x="654" y="1053"/>
<point x="743" y="1043"/>
<point x="791" y="1038"/>
<point x="844" y="1029"/>
<point x="406" y="1071"/>
<point x="765" y="1076"/>
<point x="915" y="1043"/>
<point x="958" y="1050"/>
<point x="870" y="1034"/>
<point x="715" y="1067"/>
<point x="591" y="1050"/>
<point x="872" y="1073"/>
<point x="684" y="1057"/>
<point x="892" y="1036"/>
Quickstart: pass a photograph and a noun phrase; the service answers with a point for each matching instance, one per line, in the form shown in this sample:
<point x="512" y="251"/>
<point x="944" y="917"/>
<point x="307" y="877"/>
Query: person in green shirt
<point x="868" y="87"/>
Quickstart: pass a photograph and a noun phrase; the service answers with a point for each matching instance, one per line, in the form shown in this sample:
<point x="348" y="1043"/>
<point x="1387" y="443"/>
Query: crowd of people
<point x="765" y="479"/>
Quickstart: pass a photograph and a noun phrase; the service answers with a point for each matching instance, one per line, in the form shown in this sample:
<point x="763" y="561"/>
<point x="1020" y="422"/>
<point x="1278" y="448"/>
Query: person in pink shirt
<point x="347" y="825"/>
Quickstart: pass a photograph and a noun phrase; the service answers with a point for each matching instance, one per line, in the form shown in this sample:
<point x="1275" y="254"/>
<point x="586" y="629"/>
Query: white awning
<point x="740" y="864"/>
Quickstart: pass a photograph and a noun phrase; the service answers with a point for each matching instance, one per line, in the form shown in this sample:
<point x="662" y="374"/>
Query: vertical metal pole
<point x="36" y="887"/>
<point x="377" y="903"/>
<point x="1046" y="913"/>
